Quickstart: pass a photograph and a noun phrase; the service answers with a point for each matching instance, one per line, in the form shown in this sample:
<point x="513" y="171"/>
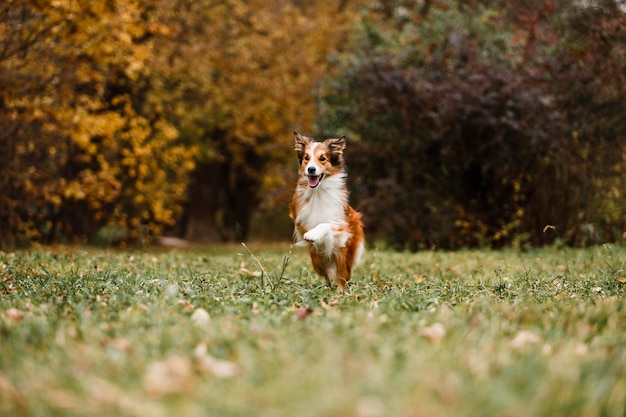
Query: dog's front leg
<point x="319" y="233"/>
<point x="327" y="237"/>
<point x="321" y="236"/>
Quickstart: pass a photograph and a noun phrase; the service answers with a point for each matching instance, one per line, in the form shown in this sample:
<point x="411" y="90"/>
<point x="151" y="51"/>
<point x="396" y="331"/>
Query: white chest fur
<point x="324" y="204"/>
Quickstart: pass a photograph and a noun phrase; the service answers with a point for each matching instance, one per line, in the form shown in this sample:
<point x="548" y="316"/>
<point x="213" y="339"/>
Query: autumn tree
<point x="107" y="107"/>
<point x="237" y="77"/>
<point x="78" y="154"/>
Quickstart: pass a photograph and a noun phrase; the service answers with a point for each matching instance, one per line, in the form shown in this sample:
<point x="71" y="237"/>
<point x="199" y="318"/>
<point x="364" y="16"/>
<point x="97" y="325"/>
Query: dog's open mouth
<point x="314" y="180"/>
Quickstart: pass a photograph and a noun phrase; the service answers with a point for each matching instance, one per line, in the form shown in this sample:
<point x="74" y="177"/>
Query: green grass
<point x="470" y="333"/>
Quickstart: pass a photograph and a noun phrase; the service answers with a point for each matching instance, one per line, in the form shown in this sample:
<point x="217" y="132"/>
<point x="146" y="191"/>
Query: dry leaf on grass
<point x="219" y="368"/>
<point x="118" y="343"/>
<point x="105" y="395"/>
<point x="14" y="315"/>
<point x="456" y="269"/>
<point x="200" y="317"/>
<point x="304" y="312"/>
<point x="433" y="333"/>
<point x="525" y="338"/>
<point x="173" y="375"/>
<point x="247" y="273"/>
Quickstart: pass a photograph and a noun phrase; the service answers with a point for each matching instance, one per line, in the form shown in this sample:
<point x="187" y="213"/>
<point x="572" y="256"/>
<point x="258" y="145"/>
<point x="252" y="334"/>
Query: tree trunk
<point x="223" y="194"/>
<point x="205" y="199"/>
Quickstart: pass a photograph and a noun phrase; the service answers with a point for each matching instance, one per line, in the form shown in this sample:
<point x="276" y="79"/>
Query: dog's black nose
<point x="311" y="170"/>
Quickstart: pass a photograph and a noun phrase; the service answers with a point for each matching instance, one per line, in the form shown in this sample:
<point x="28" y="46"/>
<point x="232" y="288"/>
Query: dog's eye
<point x="306" y="157"/>
<point x="322" y="158"/>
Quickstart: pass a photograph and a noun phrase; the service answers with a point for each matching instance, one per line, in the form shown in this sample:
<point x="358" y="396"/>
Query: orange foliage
<point x="247" y="69"/>
<point x="75" y="150"/>
<point x="107" y="106"/>
<point x="238" y="75"/>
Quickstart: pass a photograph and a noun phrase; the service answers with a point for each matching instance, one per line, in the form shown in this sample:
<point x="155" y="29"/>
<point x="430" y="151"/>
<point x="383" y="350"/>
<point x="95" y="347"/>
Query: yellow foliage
<point x="108" y="105"/>
<point x="69" y="142"/>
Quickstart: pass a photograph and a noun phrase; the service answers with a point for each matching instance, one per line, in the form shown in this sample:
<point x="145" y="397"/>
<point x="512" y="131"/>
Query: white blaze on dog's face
<point x="319" y="160"/>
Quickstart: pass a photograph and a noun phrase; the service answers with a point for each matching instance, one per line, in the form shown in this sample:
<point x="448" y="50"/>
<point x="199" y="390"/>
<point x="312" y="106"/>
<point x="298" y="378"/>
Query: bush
<point x="478" y="127"/>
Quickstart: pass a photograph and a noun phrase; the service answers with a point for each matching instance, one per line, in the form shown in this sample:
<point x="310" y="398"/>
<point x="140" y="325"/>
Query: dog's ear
<point x="301" y="142"/>
<point x="336" y="147"/>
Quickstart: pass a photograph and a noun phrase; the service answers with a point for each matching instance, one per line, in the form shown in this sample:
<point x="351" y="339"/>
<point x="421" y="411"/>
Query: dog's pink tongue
<point x="314" y="180"/>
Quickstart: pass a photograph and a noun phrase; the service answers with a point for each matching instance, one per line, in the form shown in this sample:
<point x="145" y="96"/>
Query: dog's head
<point x="319" y="160"/>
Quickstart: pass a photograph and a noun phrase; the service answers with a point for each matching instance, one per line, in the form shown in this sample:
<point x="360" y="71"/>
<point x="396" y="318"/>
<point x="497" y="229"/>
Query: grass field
<point x="232" y="331"/>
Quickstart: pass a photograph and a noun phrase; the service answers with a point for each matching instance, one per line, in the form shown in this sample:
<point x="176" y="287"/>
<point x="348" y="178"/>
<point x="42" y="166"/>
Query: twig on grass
<point x="264" y="275"/>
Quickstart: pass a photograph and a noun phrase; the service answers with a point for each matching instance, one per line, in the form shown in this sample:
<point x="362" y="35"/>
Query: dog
<point x="324" y="222"/>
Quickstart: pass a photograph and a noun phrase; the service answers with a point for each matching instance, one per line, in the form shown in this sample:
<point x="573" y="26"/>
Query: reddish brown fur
<point x="336" y="248"/>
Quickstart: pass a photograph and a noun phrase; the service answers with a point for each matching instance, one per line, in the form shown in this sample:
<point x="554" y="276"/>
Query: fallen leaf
<point x="247" y="273"/>
<point x="433" y="333"/>
<point x="106" y="394"/>
<point x="456" y="269"/>
<point x="173" y="375"/>
<point x="14" y="315"/>
<point x="303" y="312"/>
<point x="582" y="349"/>
<point x="185" y="304"/>
<point x="525" y="338"/>
<point x="218" y="367"/>
<point x="118" y="343"/>
<point x="200" y="317"/>
<point x="336" y="300"/>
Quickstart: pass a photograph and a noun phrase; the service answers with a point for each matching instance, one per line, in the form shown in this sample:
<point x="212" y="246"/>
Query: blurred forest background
<point x="469" y="123"/>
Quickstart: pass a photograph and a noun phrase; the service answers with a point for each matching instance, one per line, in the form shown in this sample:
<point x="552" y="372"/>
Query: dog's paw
<point x="311" y="236"/>
<point x="318" y="233"/>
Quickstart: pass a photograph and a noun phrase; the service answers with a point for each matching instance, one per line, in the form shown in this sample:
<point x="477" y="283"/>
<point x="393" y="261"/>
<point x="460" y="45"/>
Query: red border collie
<point x="324" y="221"/>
